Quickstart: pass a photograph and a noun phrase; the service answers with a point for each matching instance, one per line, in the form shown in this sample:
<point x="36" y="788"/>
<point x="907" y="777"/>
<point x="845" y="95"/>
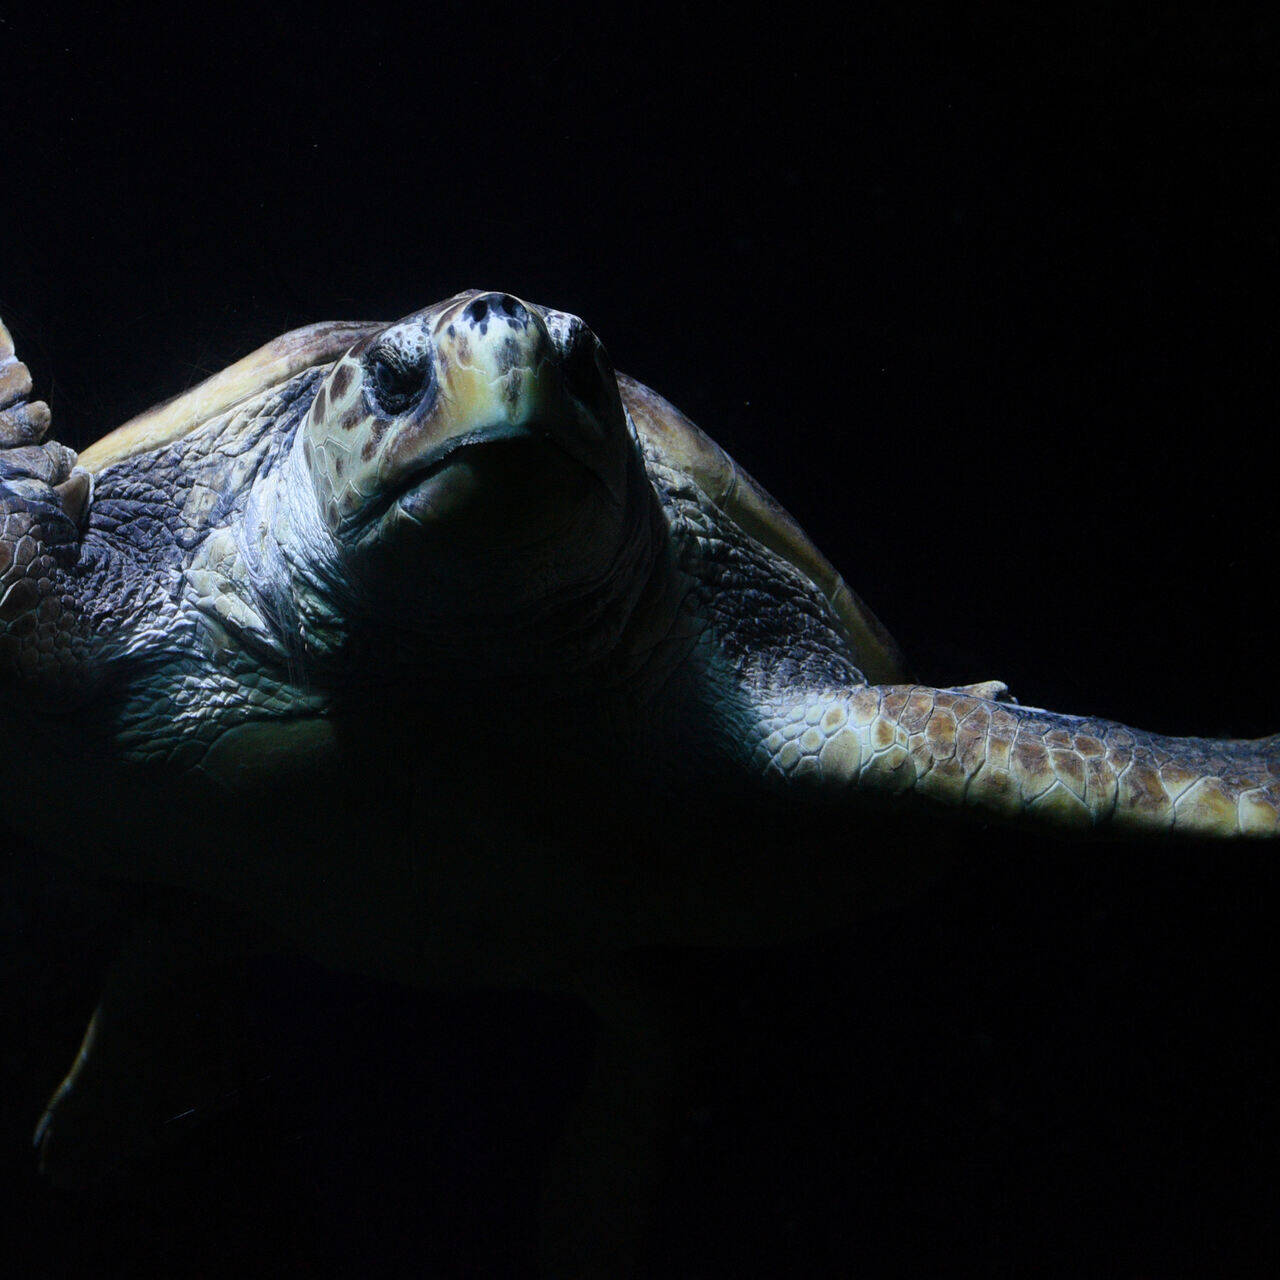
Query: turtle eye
<point x="396" y="380"/>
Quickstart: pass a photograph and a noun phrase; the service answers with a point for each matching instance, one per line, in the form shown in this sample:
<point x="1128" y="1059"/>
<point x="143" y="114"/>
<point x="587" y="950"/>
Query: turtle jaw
<point x="490" y="486"/>
<point x="509" y="370"/>
<point x="467" y="481"/>
<point x="448" y="477"/>
<point x="474" y="458"/>
<point x="411" y="412"/>
<point x="527" y="424"/>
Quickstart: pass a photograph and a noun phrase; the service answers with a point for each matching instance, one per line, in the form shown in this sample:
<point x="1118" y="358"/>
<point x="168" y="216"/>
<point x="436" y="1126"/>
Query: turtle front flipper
<point x="44" y="500"/>
<point x="1005" y="761"/>
<point x="167" y="1045"/>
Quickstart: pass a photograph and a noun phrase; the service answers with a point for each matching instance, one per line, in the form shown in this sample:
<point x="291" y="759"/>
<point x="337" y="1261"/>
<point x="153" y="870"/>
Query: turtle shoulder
<point x="269" y="366"/>
<point x="178" y="561"/>
<point x="682" y="446"/>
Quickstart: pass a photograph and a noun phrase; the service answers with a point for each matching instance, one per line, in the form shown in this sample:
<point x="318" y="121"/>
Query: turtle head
<point x="474" y="461"/>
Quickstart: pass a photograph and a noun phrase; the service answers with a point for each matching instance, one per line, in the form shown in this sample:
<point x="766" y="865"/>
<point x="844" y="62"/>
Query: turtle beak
<point x="483" y="409"/>
<point x="509" y="371"/>
<point x="494" y="421"/>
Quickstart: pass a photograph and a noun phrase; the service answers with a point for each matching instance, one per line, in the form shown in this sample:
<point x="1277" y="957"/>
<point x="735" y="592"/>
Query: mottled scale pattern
<point x="1013" y="762"/>
<point x="806" y="714"/>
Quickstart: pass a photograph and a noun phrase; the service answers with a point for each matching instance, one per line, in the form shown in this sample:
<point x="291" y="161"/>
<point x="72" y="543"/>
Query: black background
<point x="986" y="298"/>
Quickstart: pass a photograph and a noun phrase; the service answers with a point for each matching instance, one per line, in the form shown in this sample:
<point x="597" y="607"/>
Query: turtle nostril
<point x="511" y="309"/>
<point x="504" y="304"/>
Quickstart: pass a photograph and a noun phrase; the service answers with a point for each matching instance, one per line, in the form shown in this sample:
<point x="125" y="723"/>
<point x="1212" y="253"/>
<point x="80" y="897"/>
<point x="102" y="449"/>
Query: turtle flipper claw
<point x="75" y="493"/>
<point x="992" y="690"/>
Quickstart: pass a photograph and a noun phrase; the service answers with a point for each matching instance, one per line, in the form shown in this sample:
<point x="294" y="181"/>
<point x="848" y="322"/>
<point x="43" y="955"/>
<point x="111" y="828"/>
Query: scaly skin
<point x="798" y="714"/>
<point x="1005" y="761"/>
<point x="317" y="592"/>
<point x="189" y="531"/>
<point x="42" y="498"/>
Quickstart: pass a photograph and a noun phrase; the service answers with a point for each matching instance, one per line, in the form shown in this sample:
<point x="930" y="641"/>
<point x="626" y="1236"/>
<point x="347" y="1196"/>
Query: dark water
<point x="984" y="299"/>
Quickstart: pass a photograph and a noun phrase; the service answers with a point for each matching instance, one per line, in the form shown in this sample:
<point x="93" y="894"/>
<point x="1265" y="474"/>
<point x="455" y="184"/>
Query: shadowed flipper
<point x="605" y="1171"/>
<point x="165" y="1045"/>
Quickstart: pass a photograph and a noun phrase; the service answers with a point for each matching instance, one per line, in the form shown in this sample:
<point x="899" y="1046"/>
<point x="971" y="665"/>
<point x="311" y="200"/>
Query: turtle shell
<point x="277" y="362"/>
<point x="675" y="440"/>
<point x="684" y="447"/>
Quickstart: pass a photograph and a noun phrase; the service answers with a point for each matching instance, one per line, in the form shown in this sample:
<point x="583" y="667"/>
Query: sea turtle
<point x="443" y="652"/>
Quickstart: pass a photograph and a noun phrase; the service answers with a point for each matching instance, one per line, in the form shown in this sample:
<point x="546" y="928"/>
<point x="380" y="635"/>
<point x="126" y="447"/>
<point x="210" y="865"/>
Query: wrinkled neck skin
<point x="442" y="623"/>
<point x="269" y="636"/>
<point x="213" y="597"/>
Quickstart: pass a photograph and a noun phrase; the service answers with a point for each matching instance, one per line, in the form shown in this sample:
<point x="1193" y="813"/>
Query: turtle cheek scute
<point x="341" y="381"/>
<point x="342" y="444"/>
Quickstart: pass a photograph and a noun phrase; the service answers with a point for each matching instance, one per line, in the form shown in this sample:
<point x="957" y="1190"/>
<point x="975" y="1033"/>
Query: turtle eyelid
<point x="394" y="380"/>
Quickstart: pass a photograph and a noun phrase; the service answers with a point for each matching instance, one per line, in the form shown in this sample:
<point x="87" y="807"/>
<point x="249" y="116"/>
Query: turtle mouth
<point x="444" y="454"/>
<point x="527" y="425"/>
<point x="504" y="467"/>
